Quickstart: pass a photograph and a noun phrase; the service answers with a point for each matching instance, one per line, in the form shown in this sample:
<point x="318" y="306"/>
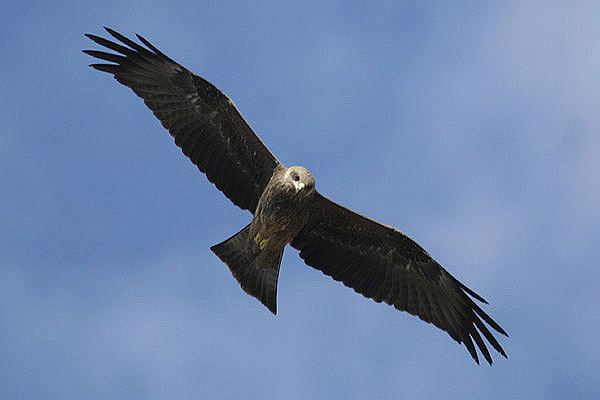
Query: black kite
<point x="376" y="260"/>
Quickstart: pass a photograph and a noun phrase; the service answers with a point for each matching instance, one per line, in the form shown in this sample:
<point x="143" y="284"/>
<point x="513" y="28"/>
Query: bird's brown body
<point x="284" y="207"/>
<point x="254" y="254"/>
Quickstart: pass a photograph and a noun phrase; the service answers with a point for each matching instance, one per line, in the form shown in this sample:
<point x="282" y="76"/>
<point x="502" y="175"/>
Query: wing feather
<point x="203" y="121"/>
<point x="384" y="264"/>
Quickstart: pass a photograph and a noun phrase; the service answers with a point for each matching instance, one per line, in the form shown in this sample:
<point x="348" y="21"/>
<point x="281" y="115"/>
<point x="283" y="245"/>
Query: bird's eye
<point x="296" y="178"/>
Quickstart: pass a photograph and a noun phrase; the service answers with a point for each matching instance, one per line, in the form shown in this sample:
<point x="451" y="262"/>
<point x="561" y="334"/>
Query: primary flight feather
<point x="376" y="260"/>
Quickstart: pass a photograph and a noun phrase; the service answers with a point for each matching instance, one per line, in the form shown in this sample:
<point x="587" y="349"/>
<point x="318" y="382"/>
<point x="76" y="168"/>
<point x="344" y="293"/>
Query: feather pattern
<point x="375" y="260"/>
<point x="204" y="122"/>
<point x="384" y="264"/>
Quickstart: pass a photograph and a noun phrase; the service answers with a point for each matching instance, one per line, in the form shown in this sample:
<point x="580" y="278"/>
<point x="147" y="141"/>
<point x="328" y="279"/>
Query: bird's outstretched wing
<point x="383" y="264"/>
<point x="204" y="122"/>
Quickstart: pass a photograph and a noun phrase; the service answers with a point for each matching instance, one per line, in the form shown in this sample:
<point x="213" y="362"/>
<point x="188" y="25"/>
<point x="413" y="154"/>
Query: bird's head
<point x="300" y="179"/>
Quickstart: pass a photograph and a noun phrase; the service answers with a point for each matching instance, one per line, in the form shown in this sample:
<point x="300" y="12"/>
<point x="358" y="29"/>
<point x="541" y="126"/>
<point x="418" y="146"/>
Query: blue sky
<point x="472" y="127"/>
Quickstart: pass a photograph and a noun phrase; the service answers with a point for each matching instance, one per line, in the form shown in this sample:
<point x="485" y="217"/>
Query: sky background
<point x="472" y="127"/>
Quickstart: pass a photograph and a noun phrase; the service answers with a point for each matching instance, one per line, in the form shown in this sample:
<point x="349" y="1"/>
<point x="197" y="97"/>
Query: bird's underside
<point x="376" y="260"/>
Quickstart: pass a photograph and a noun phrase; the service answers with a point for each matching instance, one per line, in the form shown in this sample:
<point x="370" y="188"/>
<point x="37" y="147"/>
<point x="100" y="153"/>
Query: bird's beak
<point x="299" y="186"/>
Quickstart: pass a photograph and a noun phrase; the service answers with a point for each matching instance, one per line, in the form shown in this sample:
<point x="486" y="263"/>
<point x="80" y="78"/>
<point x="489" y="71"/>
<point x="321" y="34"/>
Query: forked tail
<point x="256" y="270"/>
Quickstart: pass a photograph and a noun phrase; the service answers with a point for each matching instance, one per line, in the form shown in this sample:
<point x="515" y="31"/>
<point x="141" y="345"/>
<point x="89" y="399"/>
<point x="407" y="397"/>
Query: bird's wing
<point x="204" y="122"/>
<point x="383" y="264"/>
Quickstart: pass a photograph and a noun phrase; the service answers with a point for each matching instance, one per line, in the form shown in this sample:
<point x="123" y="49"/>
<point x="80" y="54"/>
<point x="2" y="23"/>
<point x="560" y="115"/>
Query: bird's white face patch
<point x="299" y="186"/>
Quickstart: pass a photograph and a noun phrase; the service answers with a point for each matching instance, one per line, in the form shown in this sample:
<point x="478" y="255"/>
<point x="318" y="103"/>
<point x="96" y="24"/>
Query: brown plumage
<point x="376" y="260"/>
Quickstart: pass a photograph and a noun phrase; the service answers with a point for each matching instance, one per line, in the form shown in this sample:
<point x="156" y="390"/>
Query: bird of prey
<point x="374" y="259"/>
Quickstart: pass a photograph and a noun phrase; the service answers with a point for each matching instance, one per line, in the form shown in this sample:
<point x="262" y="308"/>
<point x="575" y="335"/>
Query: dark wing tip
<point x="469" y="291"/>
<point x="131" y="48"/>
<point x="110" y="68"/>
<point x="471" y="348"/>
<point x="102" y="55"/>
<point x="502" y="331"/>
<point x="152" y="47"/>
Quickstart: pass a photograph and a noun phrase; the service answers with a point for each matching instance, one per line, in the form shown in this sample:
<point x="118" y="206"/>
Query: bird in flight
<point x="376" y="260"/>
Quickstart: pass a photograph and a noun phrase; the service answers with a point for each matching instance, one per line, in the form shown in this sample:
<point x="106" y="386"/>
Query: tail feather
<point x="256" y="272"/>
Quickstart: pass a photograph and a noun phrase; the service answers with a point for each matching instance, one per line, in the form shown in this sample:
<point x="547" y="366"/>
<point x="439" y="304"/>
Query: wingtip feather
<point x="469" y="344"/>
